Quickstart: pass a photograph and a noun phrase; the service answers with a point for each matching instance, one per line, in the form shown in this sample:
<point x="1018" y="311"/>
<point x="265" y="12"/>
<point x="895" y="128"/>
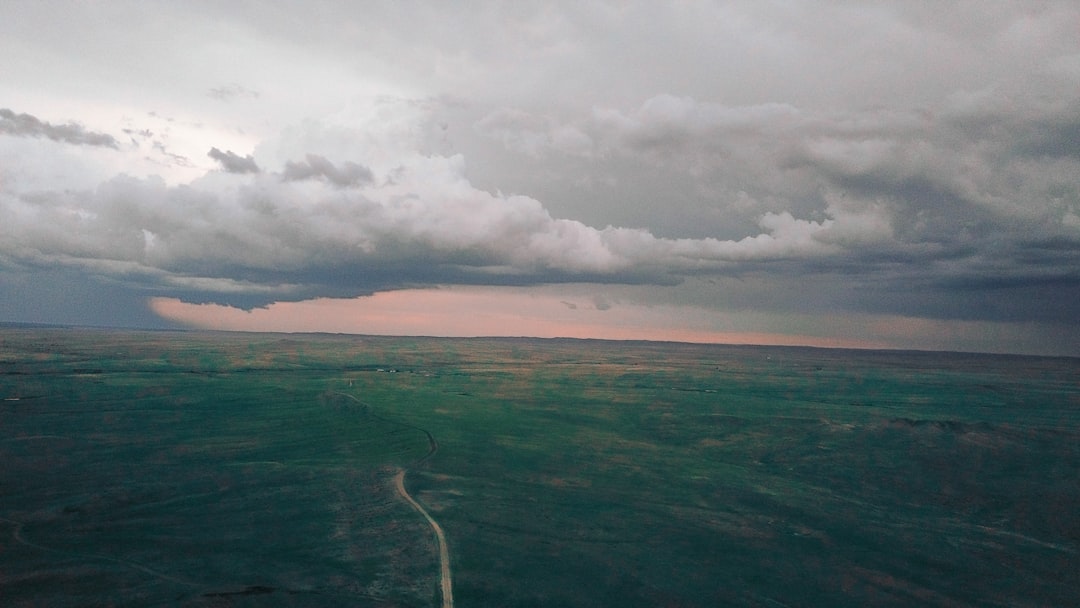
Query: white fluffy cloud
<point x="278" y="232"/>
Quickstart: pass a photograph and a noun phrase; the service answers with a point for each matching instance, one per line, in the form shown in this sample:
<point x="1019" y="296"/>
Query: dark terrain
<point x="205" y="469"/>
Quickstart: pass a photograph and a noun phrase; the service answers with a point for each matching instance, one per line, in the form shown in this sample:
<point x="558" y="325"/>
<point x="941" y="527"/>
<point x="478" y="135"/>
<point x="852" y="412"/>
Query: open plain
<point x="229" y="469"/>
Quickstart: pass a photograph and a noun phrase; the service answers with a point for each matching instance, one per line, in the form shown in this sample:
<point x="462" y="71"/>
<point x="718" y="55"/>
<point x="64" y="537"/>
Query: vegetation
<point x="251" y="469"/>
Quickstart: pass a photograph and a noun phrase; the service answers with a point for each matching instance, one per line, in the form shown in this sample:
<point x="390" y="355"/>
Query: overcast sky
<point x="891" y="174"/>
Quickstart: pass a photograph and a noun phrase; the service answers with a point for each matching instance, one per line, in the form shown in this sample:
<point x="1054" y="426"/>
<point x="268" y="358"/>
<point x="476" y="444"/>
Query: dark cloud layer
<point x="912" y="214"/>
<point x="26" y="125"/>
<point x="911" y="159"/>
<point x="901" y="240"/>
<point x="942" y="195"/>
<point x="233" y="162"/>
<point x="315" y="166"/>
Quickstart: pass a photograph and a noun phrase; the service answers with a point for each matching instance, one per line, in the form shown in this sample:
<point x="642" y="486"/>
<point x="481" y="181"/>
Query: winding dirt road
<point x="444" y="553"/>
<point x="445" y="583"/>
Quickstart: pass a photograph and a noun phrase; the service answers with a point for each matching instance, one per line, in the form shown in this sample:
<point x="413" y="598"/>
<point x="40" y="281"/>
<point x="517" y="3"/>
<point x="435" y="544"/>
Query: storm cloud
<point x="26" y="125"/>
<point x="233" y="162"/>
<point x="315" y="166"/>
<point x="818" y="158"/>
<point x="426" y="225"/>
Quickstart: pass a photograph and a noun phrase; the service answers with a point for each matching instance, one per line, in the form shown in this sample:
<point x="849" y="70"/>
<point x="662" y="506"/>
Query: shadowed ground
<point x="243" y="470"/>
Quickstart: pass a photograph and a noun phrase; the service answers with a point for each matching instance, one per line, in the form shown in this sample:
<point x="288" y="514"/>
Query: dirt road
<point x="444" y="553"/>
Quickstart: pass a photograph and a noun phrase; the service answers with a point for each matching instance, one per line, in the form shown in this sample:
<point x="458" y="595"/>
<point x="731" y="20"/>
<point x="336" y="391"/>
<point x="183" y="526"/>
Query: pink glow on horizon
<point x="483" y="312"/>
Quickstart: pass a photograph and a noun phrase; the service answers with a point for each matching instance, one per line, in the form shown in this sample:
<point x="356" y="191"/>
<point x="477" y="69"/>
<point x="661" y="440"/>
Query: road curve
<point x="444" y="553"/>
<point x="445" y="584"/>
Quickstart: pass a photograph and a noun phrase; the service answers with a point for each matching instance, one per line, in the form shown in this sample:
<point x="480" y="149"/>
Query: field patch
<point x="205" y="469"/>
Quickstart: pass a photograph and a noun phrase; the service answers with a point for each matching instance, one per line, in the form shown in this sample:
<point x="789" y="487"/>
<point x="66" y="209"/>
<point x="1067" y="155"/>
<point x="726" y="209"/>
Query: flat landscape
<point x="231" y="469"/>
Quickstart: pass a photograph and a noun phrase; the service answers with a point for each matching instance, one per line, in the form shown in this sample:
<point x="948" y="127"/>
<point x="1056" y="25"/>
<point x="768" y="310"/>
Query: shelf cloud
<point x="907" y="161"/>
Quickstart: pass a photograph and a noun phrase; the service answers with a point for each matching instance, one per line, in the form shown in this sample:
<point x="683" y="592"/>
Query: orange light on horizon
<point x="476" y="312"/>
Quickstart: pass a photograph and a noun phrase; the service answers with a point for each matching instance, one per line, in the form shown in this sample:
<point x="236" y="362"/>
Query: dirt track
<point x="445" y="583"/>
<point x="444" y="553"/>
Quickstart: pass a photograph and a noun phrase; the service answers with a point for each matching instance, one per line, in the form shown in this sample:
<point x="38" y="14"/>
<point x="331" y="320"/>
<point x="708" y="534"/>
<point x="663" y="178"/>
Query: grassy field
<point x="200" y="469"/>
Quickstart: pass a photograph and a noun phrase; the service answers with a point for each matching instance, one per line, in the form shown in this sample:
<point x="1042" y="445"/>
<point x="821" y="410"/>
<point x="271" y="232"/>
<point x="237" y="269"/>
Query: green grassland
<point x="206" y="469"/>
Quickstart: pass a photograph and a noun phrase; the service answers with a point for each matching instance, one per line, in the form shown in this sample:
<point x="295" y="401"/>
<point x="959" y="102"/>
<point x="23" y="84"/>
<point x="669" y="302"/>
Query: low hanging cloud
<point x="270" y="238"/>
<point x="233" y="162"/>
<point x="866" y="201"/>
<point x="1002" y="152"/>
<point x="26" y="125"/>
<point x="963" y="176"/>
<point x="315" y="167"/>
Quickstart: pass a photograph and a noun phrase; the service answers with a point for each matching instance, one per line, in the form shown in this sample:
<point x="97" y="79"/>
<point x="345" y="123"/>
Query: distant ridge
<point x="537" y="339"/>
<point x="22" y="324"/>
<point x="32" y="325"/>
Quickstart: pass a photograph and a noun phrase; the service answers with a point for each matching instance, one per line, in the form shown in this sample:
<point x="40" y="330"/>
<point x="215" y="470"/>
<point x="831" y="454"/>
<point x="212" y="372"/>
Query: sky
<point x="853" y="174"/>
